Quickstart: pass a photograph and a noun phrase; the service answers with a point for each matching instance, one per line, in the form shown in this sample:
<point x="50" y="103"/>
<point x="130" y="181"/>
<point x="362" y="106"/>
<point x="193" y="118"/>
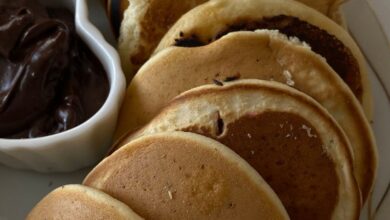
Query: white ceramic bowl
<point x="85" y="144"/>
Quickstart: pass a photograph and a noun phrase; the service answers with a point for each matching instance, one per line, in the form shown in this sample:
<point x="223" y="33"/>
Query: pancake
<point x="182" y="175"/>
<point x="294" y="144"/>
<point x="144" y="24"/>
<point x="80" y="202"/>
<point x="215" y="19"/>
<point x="330" y="8"/>
<point x="265" y="55"/>
<point x="146" y="21"/>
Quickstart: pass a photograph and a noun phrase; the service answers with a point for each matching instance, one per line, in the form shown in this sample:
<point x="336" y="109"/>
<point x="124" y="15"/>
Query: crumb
<point x="252" y="152"/>
<point x="288" y="76"/>
<point x="170" y="194"/>
<point x="249" y="135"/>
<point x="308" y="131"/>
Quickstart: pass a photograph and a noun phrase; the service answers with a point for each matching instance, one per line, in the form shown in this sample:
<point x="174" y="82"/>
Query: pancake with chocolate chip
<point x="144" y="24"/>
<point x="266" y="55"/>
<point x="294" y="144"/>
<point x="212" y="20"/>
<point x="82" y="203"/>
<point x="146" y="21"/>
<point x="181" y="175"/>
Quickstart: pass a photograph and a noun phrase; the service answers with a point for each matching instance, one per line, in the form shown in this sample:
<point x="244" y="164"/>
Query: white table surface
<point x="382" y="10"/>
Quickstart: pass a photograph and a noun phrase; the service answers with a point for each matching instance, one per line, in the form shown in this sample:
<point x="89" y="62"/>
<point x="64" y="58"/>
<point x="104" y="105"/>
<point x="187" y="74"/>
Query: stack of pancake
<point x="250" y="109"/>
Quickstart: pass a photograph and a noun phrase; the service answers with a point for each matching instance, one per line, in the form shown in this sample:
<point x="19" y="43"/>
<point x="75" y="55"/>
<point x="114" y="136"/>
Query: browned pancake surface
<point x="178" y="178"/>
<point x="286" y="136"/>
<point x="80" y="202"/>
<point x="156" y="22"/>
<point x="337" y="55"/>
<point x="288" y="153"/>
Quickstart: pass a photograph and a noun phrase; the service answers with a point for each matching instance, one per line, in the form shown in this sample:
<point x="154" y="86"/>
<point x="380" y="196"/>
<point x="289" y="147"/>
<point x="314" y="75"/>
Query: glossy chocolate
<point x="49" y="80"/>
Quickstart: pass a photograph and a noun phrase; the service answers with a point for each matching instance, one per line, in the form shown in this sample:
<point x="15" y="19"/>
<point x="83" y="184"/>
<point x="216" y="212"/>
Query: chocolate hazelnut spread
<point x="49" y="80"/>
<point x="287" y="152"/>
<point x="333" y="50"/>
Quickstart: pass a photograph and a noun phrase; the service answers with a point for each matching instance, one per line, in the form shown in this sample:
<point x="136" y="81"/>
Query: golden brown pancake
<point x="146" y="21"/>
<point x="182" y="175"/>
<point x="265" y="55"/>
<point x="294" y="144"/>
<point x="144" y="24"/>
<point x="210" y="21"/>
<point x="81" y="202"/>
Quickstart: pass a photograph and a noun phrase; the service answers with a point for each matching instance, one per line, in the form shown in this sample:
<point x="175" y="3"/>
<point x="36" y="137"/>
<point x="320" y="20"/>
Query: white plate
<point x="20" y="190"/>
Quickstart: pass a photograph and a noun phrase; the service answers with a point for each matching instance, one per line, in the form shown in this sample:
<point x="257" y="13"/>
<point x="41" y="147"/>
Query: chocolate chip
<point x="232" y="78"/>
<point x="217" y="82"/>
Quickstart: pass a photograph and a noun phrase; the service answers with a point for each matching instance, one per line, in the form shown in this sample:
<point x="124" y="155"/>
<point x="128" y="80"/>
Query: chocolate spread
<point x="337" y="55"/>
<point x="49" y="80"/>
<point x="287" y="152"/>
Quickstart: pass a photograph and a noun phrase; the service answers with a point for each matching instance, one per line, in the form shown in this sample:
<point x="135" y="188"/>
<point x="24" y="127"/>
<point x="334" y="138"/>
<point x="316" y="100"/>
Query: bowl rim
<point x="91" y="36"/>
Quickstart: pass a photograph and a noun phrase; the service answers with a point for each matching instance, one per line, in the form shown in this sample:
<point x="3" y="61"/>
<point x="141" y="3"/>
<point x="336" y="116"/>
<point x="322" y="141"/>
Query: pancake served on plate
<point x="214" y="19"/>
<point x="146" y="21"/>
<point x="266" y="55"/>
<point x="293" y="142"/>
<point x="182" y="175"/>
<point x="80" y="202"/>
